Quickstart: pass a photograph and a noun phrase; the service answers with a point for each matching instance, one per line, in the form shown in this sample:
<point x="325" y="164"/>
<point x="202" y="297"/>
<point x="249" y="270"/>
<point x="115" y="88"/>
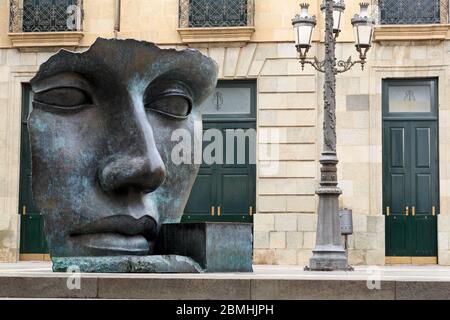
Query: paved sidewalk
<point x="400" y="272"/>
<point x="36" y="280"/>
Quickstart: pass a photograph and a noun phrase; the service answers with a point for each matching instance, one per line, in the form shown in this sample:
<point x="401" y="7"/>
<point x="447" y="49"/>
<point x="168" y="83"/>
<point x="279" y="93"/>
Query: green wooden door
<point x="227" y="191"/>
<point x="410" y="169"/>
<point x="32" y="239"/>
<point x="424" y="188"/>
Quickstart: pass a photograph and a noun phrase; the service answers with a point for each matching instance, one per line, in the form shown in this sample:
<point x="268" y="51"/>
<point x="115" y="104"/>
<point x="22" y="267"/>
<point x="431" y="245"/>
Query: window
<point x="45" y="15"/>
<point x="413" y="11"/>
<point x="405" y="98"/>
<point x="216" y="13"/>
<point x="409" y="98"/>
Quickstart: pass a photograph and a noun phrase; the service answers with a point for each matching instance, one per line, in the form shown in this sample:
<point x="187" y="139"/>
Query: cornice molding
<point x="35" y="40"/>
<point x="411" y="32"/>
<point x="234" y="36"/>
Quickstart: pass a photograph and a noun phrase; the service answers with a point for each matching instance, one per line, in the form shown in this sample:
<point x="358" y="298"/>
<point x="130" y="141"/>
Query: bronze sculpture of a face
<point x="100" y="133"/>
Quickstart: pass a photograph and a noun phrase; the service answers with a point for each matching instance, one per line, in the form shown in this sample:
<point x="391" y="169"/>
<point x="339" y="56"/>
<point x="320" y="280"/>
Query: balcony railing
<point x="413" y="11"/>
<point x="45" y="15"/>
<point x="216" y="13"/>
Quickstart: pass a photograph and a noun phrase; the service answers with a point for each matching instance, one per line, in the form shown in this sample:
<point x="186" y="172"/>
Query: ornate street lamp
<point x="338" y="12"/>
<point x="329" y="253"/>
<point x="363" y="30"/>
<point x="303" y="28"/>
<point x="304" y="25"/>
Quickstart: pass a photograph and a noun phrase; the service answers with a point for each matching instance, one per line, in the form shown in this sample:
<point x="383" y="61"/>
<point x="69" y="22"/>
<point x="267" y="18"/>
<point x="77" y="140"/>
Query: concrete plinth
<point x="28" y="280"/>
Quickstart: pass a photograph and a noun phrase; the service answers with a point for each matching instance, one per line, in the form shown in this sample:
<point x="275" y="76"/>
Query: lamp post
<point x="329" y="253"/>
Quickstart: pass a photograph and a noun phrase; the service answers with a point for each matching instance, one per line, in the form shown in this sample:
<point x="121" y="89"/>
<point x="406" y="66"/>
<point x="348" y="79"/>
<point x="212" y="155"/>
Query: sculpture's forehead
<point x="131" y="61"/>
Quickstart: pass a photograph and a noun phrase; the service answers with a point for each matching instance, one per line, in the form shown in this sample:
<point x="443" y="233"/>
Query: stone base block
<point x="217" y="247"/>
<point x="329" y="261"/>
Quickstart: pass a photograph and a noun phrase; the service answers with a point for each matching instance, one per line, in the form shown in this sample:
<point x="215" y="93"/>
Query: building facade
<point x="393" y="119"/>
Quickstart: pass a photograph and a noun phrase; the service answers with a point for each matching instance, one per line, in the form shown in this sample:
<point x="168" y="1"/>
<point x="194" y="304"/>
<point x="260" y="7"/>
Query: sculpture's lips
<point x="109" y="244"/>
<point x="116" y="235"/>
<point x="124" y="225"/>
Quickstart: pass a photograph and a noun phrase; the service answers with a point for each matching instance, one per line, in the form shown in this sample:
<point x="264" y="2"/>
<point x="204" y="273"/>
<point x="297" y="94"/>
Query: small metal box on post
<point x="346" y="221"/>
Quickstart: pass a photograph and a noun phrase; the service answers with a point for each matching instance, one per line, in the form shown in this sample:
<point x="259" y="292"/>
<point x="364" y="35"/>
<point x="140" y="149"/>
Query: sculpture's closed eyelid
<point x="169" y="97"/>
<point x="64" y="97"/>
<point x="62" y="92"/>
<point x="175" y="104"/>
<point x="61" y="80"/>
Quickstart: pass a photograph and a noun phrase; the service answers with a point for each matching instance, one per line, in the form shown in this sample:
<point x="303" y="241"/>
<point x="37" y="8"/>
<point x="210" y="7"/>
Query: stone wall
<point x="157" y="20"/>
<point x="15" y="68"/>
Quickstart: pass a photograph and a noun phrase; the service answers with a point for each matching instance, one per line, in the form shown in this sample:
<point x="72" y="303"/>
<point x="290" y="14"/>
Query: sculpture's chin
<point x="112" y="244"/>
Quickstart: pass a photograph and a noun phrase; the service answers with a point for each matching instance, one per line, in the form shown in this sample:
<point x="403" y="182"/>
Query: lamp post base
<point x="329" y="253"/>
<point x="329" y="260"/>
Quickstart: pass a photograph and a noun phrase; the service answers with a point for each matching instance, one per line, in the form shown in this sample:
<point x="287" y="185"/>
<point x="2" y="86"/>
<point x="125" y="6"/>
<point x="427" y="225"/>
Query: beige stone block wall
<point x="157" y="20"/>
<point x="15" y="68"/>
<point x="287" y="100"/>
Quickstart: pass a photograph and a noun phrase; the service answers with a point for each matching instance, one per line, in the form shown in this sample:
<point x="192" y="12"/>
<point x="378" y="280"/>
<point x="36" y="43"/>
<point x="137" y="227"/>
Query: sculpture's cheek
<point x="65" y="155"/>
<point x="180" y="146"/>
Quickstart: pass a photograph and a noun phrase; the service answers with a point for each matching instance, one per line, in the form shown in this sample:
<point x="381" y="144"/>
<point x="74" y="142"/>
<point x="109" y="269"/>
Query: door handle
<point x="388" y="211"/>
<point x="413" y="211"/>
<point x="433" y="211"/>
<point x="218" y="211"/>
<point x="407" y="211"/>
<point x="213" y="211"/>
<point x="24" y="210"/>
<point x="250" y="211"/>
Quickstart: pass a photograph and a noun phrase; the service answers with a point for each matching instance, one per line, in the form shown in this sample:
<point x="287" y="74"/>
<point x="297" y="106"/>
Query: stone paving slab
<point x="35" y="280"/>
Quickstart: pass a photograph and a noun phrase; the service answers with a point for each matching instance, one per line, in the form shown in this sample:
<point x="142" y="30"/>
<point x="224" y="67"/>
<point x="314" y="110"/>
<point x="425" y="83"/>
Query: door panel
<point x="236" y="194"/>
<point x="202" y="195"/>
<point x="232" y="184"/>
<point x="397" y="149"/>
<point x="396" y="191"/>
<point x="424" y="236"/>
<point x="423" y="194"/>
<point x="32" y="239"/>
<point x="397" y="243"/>
<point x="424" y="187"/>
<point x="399" y="193"/>
<point x="422" y="150"/>
<point x="397" y="187"/>
<point x="411" y="187"/>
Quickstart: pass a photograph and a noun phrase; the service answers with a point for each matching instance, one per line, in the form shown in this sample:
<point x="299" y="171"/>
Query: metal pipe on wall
<point x="117" y="18"/>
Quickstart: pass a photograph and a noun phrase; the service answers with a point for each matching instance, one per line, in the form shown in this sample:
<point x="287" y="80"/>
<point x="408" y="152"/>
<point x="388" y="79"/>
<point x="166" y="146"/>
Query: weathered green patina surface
<point x="127" y="264"/>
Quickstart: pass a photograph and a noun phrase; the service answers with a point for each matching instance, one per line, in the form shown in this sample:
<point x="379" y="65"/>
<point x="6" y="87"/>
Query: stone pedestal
<point x="217" y="247"/>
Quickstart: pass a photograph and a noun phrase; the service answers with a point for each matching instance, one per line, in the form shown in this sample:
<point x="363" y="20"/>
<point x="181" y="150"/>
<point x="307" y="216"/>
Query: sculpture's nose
<point x="136" y="163"/>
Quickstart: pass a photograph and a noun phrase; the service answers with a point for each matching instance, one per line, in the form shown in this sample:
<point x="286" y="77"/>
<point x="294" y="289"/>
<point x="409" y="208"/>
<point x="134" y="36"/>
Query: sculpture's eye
<point x="173" y="104"/>
<point x="68" y="98"/>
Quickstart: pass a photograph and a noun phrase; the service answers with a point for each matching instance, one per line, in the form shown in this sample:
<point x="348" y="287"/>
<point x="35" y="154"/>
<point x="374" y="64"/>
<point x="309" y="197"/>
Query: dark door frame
<point x="33" y="245"/>
<point x="389" y="118"/>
